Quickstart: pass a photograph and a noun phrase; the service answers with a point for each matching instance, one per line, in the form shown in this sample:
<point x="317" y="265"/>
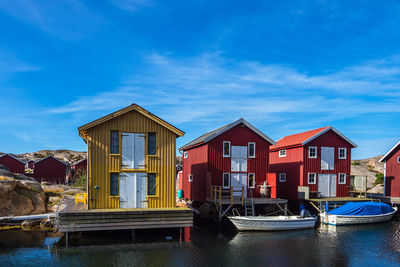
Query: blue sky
<point x="285" y="66"/>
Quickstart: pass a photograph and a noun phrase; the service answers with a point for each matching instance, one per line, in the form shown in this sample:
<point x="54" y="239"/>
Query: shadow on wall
<point x="198" y="187"/>
<point x="288" y="189"/>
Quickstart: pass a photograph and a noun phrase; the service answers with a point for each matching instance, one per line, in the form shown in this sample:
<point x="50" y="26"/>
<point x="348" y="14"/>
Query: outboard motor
<point x="304" y="213"/>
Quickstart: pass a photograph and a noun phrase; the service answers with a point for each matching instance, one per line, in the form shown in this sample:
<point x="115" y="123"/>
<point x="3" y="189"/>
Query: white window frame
<point x="254" y="180"/>
<point x="282" y="177"/>
<point x="315" y="178"/>
<point x="248" y="149"/>
<point x="185" y="155"/>
<point x="229" y="180"/>
<point x="190" y="177"/>
<point x="398" y="159"/>
<point x="309" y="152"/>
<point x="223" y="149"/>
<point x="345" y="177"/>
<point x="281" y="155"/>
<point x="345" y="153"/>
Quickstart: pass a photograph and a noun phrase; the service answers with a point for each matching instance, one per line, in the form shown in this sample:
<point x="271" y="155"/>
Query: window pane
<point x="151" y="184"/>
<point x="114" y="142"/>
<point x="151" y="144"/>
<point x="114" y="184"/>
<point x="226" y="149"/>
<point x="226" y="180"/>
<point x="251" y="150"/>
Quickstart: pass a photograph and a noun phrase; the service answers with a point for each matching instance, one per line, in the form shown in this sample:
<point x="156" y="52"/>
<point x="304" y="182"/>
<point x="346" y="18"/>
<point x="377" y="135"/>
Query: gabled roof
<point x="51" y="157"/>
<point x="303" y="138"/>
<point x="127" y="109"/>
<point x="79" y="161"/>
<point x="211" y="135"/>
<point x="13" y="157"/>
<point x="385" y="158"/>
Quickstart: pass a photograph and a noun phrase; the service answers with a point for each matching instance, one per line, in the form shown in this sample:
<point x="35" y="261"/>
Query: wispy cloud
<point x="209" y="87"/>
<point x="9" y="64"/>
<point x="65" y="19"/>
<point x="131" y="5"/>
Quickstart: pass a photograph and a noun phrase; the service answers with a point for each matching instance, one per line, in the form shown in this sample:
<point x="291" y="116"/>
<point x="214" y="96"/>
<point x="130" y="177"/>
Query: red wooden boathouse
<point x="235" y="155"/>
<point x="319" y="160"/>
<point x="392" y="171"/>
<point x="14" y="165"/>
<point x="50" y="170"/>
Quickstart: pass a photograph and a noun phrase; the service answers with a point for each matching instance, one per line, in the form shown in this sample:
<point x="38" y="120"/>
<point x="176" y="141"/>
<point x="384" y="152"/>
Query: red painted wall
<point x="50" y="170"/>
<point x="392" y="179"/>
<point x="297" y="165"/>
<point x="196" y="164"/>
<point x="15" y="166"/>
<point x="81" y="166"/>
<point x="292" y="165"/>
<point x="209" y="159"/>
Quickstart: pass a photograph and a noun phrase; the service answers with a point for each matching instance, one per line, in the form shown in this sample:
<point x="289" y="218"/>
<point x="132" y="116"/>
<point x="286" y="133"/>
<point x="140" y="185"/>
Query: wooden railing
<point x="217" y="192"/>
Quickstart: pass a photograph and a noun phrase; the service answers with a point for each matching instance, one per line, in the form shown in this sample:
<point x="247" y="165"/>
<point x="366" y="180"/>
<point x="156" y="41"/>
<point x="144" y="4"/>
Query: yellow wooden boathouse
<point x="131" y="160"/>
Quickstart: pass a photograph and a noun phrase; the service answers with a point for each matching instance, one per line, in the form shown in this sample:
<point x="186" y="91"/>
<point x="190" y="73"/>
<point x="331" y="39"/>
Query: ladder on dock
<point x="249" y="205"/>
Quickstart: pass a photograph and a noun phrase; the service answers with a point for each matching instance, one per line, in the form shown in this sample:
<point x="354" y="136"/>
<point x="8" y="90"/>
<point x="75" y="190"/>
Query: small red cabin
<point x="14" y="165"/>
<point x="392" y="171"/>
<point x="235" y="155"/>
<point x="50" y="170"/>
<point x="318" y="160"/>
<point x="30" y="164"/>
<point x="79" y="167"/>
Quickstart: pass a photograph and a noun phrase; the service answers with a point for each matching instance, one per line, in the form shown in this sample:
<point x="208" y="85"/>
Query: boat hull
<point x="350" y="219"/>
<point x="272" y="223"/>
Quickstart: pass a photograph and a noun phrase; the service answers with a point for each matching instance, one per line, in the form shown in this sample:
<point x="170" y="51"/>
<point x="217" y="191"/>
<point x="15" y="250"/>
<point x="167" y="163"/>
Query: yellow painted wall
<point x="101" y="163"/>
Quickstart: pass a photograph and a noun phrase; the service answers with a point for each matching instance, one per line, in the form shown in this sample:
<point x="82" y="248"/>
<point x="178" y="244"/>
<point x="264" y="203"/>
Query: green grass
<point x="379" y="179"/>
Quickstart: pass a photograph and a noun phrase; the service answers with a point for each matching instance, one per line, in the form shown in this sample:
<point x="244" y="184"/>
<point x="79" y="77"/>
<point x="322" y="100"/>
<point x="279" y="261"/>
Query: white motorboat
<point x="358" y="213"/>
<point x="272" y="223"/>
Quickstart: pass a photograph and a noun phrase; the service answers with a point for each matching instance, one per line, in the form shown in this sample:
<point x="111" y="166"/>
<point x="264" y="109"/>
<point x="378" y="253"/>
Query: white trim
<point x="324" y="131"/>
<point x="316" y="152"/>
<point x="345" y="153"/>
<point x="254" y="180"/>
<point x="190" y="178"/>
<point x="390" y="151"/>
<point x="185" y="155"/>
<point x="223" y="149"/>
<point x="282" y="177"/>
<point x="345" y="177"/>
<point x="398" y="159"/>
<point x="51" y="157"/>
<point x="13" y="158"/>
<point x="282" y="155"/>
<point x="229" y="180"/>
<point x="315" y="178"/>
<point x="239" y="121"/>
<point x="248" y="149"/>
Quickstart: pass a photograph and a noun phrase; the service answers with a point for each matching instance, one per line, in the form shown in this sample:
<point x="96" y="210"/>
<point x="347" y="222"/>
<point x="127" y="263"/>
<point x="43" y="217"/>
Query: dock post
<point x="66" y="239"/>
<point x="133" y="234"/>
<point x="182" y="234"/>
<point x="285" y="212"/>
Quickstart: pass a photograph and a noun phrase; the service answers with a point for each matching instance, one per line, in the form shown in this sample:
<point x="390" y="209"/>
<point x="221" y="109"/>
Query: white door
<point x="133" y="190"/>
<point x="327" y="158"/>
<point x="327" y="185"/>
<point x="133" y="151"/>
<point x="238" y="181"/>
<point x="239" y="159"/>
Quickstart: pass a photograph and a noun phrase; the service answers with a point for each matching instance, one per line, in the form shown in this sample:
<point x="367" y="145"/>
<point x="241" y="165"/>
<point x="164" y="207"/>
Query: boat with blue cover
<point x="358" y="213"/>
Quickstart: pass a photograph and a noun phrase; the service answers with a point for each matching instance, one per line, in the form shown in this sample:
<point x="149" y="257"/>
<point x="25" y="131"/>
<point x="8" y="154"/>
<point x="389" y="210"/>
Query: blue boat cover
<point x="362" y="208"/>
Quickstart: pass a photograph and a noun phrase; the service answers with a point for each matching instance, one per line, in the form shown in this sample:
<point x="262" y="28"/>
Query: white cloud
<point x="65" y="19"/>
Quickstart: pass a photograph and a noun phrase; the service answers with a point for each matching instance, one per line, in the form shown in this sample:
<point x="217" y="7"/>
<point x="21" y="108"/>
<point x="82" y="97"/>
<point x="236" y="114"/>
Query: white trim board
<point x="390" y="151"/>
<point x="324" y="131"/>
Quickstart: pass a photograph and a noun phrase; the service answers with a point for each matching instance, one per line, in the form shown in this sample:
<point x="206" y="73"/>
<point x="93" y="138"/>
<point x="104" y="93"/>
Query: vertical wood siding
<point x="12" y="164"/>
<point x="392" y="179"/>
<point x="101" y="163"/>
<point x="50" y="170"/>
<point x="297" y="165"/>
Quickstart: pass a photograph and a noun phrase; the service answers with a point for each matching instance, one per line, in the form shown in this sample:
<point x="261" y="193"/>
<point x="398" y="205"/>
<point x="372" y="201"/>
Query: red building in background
<point x="235" y="155"/>
<point x="50" y="170"/>
<point x="392" y="171"/>
<point x="79" y="167"/>
<point x="14" y="165"/>
<point x="319" y="159"/>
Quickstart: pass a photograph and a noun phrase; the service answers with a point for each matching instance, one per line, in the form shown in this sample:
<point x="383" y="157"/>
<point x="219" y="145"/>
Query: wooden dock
<point x="77" y="218"/>
<point x="334" y="202"/>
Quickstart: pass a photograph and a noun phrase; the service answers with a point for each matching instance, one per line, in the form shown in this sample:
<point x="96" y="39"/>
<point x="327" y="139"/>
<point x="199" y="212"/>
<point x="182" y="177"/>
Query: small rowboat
<point x="359" y="213"/>
<point x="272" y="223"/>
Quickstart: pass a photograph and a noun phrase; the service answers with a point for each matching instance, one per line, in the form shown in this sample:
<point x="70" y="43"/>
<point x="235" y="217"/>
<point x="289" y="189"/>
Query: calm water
<point x="370" y="245"/>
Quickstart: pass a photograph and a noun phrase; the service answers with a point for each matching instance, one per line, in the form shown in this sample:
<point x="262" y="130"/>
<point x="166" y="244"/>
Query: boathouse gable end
<point x="102" y="164"/>
<point x="209" y="161"/>
<point x="325" y="144"/>
<point x="12" y="163"/>
<point x="392" y="172"/>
